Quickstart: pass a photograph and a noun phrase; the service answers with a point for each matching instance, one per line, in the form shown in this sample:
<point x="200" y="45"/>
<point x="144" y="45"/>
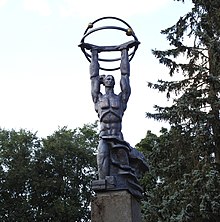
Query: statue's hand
<point x="128" y="45"/>
<point x="85" y="45"/>
<point x="89" y="46"/>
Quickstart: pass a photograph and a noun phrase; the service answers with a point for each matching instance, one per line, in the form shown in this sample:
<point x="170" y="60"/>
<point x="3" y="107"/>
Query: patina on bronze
<point x="120" y="166"/>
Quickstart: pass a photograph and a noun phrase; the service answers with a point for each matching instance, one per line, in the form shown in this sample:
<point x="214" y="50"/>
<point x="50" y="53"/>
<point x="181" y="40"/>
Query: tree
<point x="16" y="153"/>
<point x="47" y="179"/>
<point x="189" y="154"/>
<point x="64" y="169"/>
<point x="198" y="90"/>
<point x="179" y="187"/>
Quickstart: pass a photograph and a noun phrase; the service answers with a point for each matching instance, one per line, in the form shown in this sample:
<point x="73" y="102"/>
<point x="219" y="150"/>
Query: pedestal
<point x="115" y="206"/>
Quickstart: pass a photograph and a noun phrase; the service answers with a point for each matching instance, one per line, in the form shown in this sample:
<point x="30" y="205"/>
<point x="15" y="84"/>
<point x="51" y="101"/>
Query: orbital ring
<point x="89" y="31"/>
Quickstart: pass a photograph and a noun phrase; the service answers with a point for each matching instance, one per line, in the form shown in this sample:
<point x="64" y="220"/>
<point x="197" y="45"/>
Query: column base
<point x="112" y="206"/>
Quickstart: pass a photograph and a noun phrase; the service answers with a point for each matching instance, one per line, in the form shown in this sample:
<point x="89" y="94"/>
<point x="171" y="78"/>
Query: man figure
<point x="119" y="165"/>
<point x="109" y="106"/>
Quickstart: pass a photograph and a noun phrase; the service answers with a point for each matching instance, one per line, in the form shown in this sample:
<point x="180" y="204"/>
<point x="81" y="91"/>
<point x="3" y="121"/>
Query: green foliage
<point x="194" y="38"/>
<point x="65" y="167"/>
<point x="185" y="161"/>
<point x="47" y="179"/>
<point x="16" y="154"/>
<point x="180" y="186"/>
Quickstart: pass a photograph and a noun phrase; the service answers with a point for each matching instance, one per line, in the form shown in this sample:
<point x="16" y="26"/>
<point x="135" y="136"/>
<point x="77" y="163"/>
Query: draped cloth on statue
<point x="126" y="166"/>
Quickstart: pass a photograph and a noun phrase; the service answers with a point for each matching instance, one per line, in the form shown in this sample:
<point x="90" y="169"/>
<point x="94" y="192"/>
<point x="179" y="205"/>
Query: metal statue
<point x="119" y="165"/>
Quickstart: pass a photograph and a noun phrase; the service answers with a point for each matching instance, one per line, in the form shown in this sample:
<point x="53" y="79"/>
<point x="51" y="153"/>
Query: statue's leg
<point x="103" y="159"/>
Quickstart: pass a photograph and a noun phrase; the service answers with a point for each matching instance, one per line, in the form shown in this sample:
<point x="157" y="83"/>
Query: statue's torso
<point x="109" y="108"/>
<point x="110" y="111"/>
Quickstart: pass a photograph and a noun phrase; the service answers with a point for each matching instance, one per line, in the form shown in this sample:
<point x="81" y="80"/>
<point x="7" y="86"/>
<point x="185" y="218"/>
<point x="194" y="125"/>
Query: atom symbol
<point x="90" y="29"/>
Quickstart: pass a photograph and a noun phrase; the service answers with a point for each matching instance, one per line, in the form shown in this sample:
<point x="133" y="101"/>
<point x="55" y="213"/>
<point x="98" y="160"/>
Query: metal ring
<point x="87" y="33"/>
<point x="108" y="17"/>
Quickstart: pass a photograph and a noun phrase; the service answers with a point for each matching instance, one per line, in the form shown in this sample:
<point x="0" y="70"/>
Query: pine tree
<point x="190" y="155"/>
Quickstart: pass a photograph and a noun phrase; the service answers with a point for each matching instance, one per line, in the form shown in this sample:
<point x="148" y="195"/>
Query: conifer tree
<point x="189" y="154"/>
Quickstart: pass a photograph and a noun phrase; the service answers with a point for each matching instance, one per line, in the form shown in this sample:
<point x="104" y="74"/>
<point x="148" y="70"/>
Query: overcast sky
<point x="44" y="76"/>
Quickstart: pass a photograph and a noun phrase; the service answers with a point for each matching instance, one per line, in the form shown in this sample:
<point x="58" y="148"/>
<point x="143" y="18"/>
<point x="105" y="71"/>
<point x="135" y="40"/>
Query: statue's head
<point x="109" y="81"/>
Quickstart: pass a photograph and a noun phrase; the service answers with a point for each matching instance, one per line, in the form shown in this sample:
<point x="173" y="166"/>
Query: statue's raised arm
<point x="125" y="71"/>
<point x="94" y="75"/>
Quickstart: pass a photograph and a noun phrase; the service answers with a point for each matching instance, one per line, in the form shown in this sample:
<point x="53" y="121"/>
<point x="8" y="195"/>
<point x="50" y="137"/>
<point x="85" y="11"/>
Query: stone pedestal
<point x="115" y="206"/>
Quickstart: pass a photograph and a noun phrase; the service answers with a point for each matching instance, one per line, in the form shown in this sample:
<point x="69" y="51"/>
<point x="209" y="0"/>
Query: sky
<point x="44" y="76"/>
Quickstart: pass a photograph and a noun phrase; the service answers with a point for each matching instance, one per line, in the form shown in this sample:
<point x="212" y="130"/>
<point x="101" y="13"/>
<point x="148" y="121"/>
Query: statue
<point x="119" y="165"/>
